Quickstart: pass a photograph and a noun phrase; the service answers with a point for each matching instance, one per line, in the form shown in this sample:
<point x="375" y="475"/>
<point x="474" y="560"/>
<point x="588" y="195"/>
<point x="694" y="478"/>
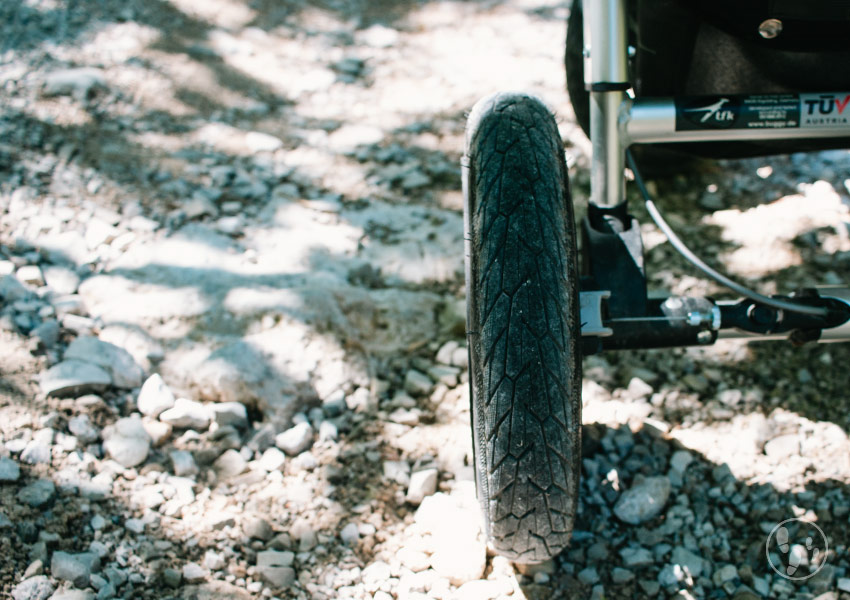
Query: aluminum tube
<point x="653" y="120"/>
<point x="607" y="183"/>
<point x="607" y="49"/>
<point x="608" y="45"/>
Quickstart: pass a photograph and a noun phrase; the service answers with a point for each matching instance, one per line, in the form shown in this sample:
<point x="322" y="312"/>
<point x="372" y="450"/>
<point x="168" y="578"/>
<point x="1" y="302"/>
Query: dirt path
<point x="260" y="202"/>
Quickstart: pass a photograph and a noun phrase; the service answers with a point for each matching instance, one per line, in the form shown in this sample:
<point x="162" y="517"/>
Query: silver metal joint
<point x="705" y="337"/>
<point x="711" y="319"/>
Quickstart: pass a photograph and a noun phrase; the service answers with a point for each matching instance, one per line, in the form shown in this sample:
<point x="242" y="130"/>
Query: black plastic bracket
<point x="612" y="259"/>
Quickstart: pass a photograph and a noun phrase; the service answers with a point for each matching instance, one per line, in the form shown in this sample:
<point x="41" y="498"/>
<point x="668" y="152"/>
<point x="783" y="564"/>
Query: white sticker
<point x="825" y="110"/>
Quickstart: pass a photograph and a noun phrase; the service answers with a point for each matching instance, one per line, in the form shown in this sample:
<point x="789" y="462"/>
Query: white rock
<point x="183" y="463"/>
<point x="157" y="430"/>
<point x="636" y="557"/>
<point x="460" y="358"/>
<point x="82" y="428"/>
<point x="348" y="137"/>
<point x="127" y="442"/>
<point x="36" y="452"/>
<point x="686" y="558"/>
<point x="671" y="575"/>
<point x="199" y="206"/>
<point x="295" y="440"/>
<point x="643" y="501"/>
<point x="98" y="232"/>
<point x="34" y="588"/>
<point x="73" y="377"/>
<point x="259" y="528"/>
<point x="783" y="446"/>
<point x="77" y="82"/>
<point x="230" y="464"/>
<point x="723" y="574"/>
<point x="272" y="460"/>
<point x="444" y="374"/>
<point x="214" y="561"/>
<point x="278" y="577"/>
<point x="38" y="493"/>
<point x="187" y="414"/>
<point x="482" y="589"/>
<point x="47" y="333"/>
<point x="155" y="396"/>
<point x="460" y="552"/>
<point x="262" y="142"/>
<point x="9" y="469"/>
<point x="328" y="431"/>
<point x="844" y="584"/>
<point x="638" y="388"/>
<point x="193" y="572"/>
<point x="303" y="531"/>
<point x="136" y="526"/>
<point x="444" y="354"/>
<point x="588" y="575"/>
<point x="76" y="568"/>
<point x="231" y="225"/>
<point x="414" y="559"/>
<point x="417" y="383"/>
<point x="398" y="471"/>
<point x="11" y="289"/>
<point x="335" y="404"/>
<point x="404" y="416"/>
<point x="145" y="349"/>
<point x="239" y="372"/>
<point x="306" y="461"/>
<point x="377" y="572"/>
<point x="116" y="361"/>
<point x="350" y="534"/>
<point x="61" y="280"/>
<point x="30" y="275"/>
<point x="680" y="460"/>
<point x="275" y="558"/>
<point x="230" y="413"/>
<point x="422" y="484"/>
<point x="379" y="36"/>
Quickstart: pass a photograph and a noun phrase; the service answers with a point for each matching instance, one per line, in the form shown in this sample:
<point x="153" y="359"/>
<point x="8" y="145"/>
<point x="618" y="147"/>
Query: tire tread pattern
<point x="525" y="370"/>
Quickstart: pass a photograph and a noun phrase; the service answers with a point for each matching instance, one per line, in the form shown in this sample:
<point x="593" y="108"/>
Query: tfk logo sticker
<point x="712" y="111"/>
<point x="796" y="549"/>
<point x="712" y="114"/>
<point x="825" y="109"/>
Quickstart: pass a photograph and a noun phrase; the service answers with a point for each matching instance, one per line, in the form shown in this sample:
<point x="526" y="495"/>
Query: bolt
<point x="705" y="337"/>
<point x="770" y="28"/>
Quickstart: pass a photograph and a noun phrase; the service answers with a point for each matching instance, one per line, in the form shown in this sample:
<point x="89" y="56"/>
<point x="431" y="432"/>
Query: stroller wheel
<point x="524" y="329"/>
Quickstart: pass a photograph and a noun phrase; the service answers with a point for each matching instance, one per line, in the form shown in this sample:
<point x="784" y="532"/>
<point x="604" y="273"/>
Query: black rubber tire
<point x="524" y="329"/>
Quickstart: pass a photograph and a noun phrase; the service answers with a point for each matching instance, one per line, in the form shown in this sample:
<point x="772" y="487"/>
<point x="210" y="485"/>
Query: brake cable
<point x="692" y="258"/>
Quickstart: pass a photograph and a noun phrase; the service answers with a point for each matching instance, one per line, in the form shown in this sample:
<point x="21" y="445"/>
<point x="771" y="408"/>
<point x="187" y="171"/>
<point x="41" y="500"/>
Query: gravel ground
<point x="232" y="333"/>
